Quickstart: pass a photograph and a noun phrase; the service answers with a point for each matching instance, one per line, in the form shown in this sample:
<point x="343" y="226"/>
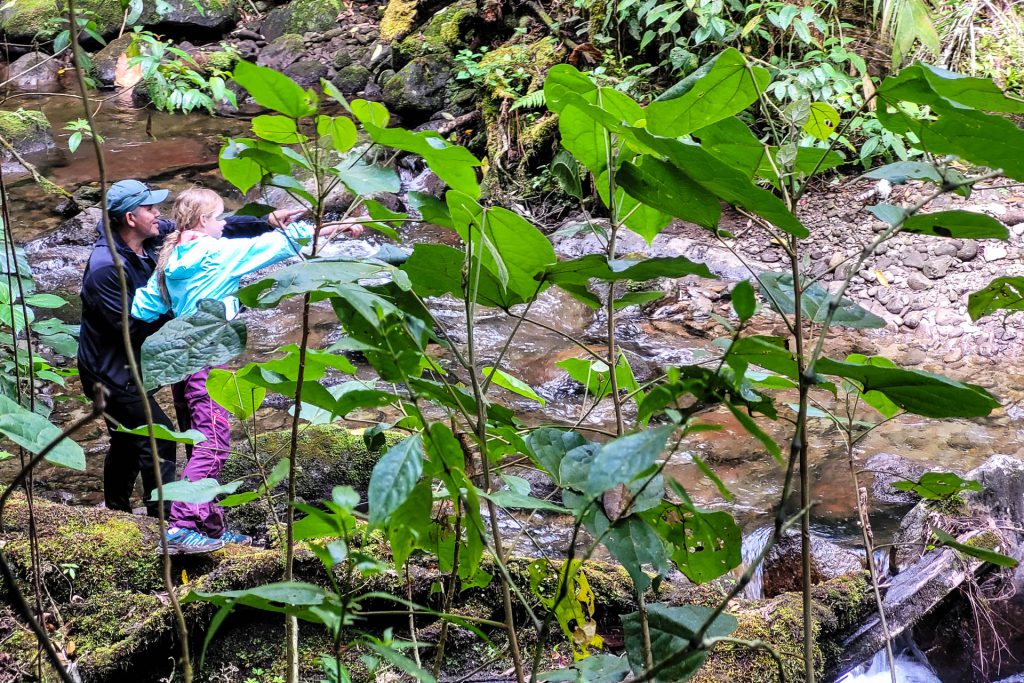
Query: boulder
<point x="186" y="14"/>
<point x="27" y="20"/>
<point x="447" y="32"/>
<point x="886" y="468"/>
<point x="783" y="570"/>
<point x="34" y="71"/>
<point x="112" y="59"/>
<point x="302" y="16"/>
<point x="419" y="87"/>
<point x="308" y="73"/>
<point x="28" y="131"/>
<point x="284" y="51"/>
<point x="352" y="79"/>
<point x="58" y="258"/>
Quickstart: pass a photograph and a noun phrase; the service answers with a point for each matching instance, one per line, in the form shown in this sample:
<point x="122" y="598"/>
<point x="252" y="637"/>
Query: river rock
<point x="308" y="73"/>
<point x="419" y="87"/>
<point x="968" y="251"/>
<point x="302" y="16"/>
<point x="914" y="259"/>
<point x="105" y="62"/>
<point x="886" y="468"/>
<point x="352" y="79"/>
<point x="937" y="267"/>
<point x="284" y="51"/>
<point x="782" y="566"/>
<point x="918" y="282"/>
<point x="34" y="71"/>
<point x="27" y="130"/>
<point x="58" y="259"/>
<point x="994" y="252"/>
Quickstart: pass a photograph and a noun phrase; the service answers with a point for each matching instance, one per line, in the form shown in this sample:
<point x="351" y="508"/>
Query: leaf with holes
<point x="821" y="121"/>
<point x="671" y="629"/>
<point x="1002" y="294"/>
<point x="704" y="545"/>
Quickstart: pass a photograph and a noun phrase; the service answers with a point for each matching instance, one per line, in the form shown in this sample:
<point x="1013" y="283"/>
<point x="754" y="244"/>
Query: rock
<point x="28" y="21"/>
<point x="307" y="73"/>
<point x="107" y="62"/>
<point x="447" y="31"/>
<point x="284" y="51"/>
<point x="782" y="566"/>
<point x="187" y="14"/>
<point x="398" y="20"/>
<point x="994" y="252"/>
<point x="945" y="248"/>
<point x="944" y="316"/>
<point x="302" y="16"/>
<point x="419" y="87"/>
<point x="912" y="319"/>
<point x="968" y="251"/>
<point x="352" y="79"/>
<point x="886" y="468"/>
<point x="34" y="71"/>
<point x="27" y="130"/>
<point x="918" y="282"/>
<point x="936" y="268"/>
<point x="914" y="259"/>
<point x="80" y="230"/>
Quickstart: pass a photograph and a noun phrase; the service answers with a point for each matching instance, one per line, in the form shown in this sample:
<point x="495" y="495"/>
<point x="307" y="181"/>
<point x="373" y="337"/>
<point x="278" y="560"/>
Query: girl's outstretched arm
<point x="149" y="303"/>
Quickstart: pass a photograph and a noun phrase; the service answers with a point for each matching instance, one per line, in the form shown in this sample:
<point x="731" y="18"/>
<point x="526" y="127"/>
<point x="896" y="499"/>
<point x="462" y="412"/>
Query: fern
<point x="533" y="100"/>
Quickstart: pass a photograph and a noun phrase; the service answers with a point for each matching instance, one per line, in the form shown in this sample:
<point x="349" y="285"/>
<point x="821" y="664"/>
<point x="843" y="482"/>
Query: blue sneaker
<point x="189" y="542"/>
<point x="234" y="537"/>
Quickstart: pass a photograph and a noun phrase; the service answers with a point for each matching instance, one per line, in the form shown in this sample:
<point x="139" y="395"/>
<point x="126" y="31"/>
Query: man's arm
<point x="250" y="226"/>
<point x="104" y="290"/>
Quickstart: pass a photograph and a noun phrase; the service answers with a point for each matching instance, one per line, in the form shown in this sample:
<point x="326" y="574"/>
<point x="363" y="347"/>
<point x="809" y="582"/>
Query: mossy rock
<point x="24" y="20"/>
<point x="399" y="20"/>
<point x="447" y="32"/>
<point x="352" y="79"/>
<point x="327" y="456"/>
<point x="419" y="87"/>
<point x="104" y="62"/>
<point x="215" y="13"/>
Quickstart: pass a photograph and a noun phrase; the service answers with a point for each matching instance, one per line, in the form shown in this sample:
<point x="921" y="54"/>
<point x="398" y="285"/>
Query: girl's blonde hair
<point x="190" y="206"/>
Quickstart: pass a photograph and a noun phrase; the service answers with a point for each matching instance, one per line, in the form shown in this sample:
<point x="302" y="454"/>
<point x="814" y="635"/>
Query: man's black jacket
<point x="101" y="355"/>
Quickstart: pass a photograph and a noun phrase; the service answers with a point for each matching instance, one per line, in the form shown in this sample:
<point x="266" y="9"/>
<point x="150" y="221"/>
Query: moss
<point x="222" y="60"/>
<point x="954" y="505"/>
<point x="28" y="18"/>
<point x="22" y="124"/>
<point x="107" y="619"/>
<point x="314" y="15"/>
<point x="398" y="21"/>
<point x="533" y="58"/>
<point x="445" y="33"/>
<point x="987" y="540"/>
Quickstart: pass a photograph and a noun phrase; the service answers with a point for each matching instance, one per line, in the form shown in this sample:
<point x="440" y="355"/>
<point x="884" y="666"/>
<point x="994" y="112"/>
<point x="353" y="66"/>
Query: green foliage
<point x="983" y="554"/>
<point x="1002" y="294"/>
<point x="937" y="485"/>
<point x="671" y="629"/>
<point x="173" y="79"/>
<point x="34" y="433"/>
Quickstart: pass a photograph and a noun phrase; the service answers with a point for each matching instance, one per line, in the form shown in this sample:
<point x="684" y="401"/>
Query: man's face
<point x="143" y="221"/>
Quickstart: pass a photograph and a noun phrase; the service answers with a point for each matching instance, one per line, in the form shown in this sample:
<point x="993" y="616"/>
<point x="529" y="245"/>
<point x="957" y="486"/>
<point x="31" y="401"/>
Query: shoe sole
<point x="182" y="550"/>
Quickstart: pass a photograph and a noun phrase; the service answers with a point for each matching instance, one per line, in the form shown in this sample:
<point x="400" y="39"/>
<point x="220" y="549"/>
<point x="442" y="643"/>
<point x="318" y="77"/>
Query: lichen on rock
<point x="445" y="33"/>
<point x="398" y="21"/>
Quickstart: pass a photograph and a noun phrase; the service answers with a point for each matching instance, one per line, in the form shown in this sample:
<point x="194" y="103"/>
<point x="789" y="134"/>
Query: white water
<point x="877" y="671"/>
<point x="753" y="544"/>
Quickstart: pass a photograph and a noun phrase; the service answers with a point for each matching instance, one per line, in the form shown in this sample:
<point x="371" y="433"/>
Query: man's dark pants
<point x="130" y="455"/>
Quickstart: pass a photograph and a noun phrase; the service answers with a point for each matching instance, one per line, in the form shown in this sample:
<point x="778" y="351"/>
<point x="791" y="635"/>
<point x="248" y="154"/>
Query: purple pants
<point x="207" y="458"/>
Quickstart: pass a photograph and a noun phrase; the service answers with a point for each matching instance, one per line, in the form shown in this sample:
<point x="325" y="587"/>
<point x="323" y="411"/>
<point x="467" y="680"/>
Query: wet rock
<point x="302" y="16"/>
<point x="419" y="87"/>
<point x="886" y="468"/>
<point x="282" y="52"/>
<point x="352" y="79"/>
<point x="105" y="62"/>
<point x="307" y="73"/>
<point x="34" y="71"/>
<point x="26" y="21"/>
<point x="782" y="566"/>
<point x="58" y="259"/>
<point x="27" y="130"/>
<point x="187" y="14"/>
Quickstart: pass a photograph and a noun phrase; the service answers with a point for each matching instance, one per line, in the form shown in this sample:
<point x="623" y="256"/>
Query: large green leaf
<point x="410" y="523"/>
<point x="189" y="436"/>
<point x="191" y="343"/>
<point x="777" y="288"/>
<point x="959" y="224"/>
<point x="597" y="266"/>
<point x="33" y="432"/>
<point x="634" y="543"/>
<point x="548" y="446"/>
<point x="320" y="277"/>
<point x="436" y="269"/>
<point x="671" y="629"/>
<point x="341" y="131"/>
<point x="705" y="545"/>
<point x="976" y="551"/>
<point x="513" y="384"/>
<point x="564" y="84"/>
<point x="769" y="353"/>
<point x="661" y="185"/>
<point x="623" y="459"/>
<point x="239" y="397"/>
<point x="918" y="392"/>
<point x="279" y="129"/>
<point x="289" y="597"/>
<point x="367" y="179"/>
<point x="594" y="669"/>
<point x="394" y="477"/>
<point x="726" y="182"/>
<point x="1002" y="294"/>
<point x="242" y="172"/>
<point x="937" y="485"/>
<point x="274" y="90"/>
<point x="200" y="491"/>
<point x="453" y="164"/>
<point x="729" y="87"/>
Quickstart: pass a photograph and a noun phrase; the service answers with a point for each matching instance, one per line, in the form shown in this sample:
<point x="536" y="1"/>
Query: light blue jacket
<point x="211" y="268"/>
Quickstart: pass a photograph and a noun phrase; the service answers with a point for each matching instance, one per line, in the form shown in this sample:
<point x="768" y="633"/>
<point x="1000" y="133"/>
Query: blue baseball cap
<point x="128" y="195"/>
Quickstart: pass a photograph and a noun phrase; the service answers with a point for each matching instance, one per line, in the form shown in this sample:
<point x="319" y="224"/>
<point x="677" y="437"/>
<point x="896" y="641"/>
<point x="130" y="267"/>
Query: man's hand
<point x="283" y="217"/>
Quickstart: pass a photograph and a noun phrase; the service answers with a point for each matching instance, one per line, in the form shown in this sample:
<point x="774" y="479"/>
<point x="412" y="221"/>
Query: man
<point x="138" y="232"/>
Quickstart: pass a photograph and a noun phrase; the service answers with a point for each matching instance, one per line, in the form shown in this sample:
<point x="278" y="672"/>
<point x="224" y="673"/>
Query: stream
<point x="181" y="150"/>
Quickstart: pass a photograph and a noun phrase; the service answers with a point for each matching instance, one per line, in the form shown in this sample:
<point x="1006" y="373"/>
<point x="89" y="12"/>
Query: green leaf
<point x="190" y="436"/>
<point x="45" y="301"/>
<point x="597" y="266"/>
<point x="822" y="121"/>
<point x="239" y="397"/>
<point x="1002" y="294"/>
<point x="201" y="491"/>
<point x="937" y="485"/>
<point x="548" y="446"/>
<point x="917" y="392"/>
<point x="661" y="185"/>
<point x="754" y="430"/>
<point x="706" y="545"/>
<point x="322" y="277"/>
<point x="769" y="353"/>
<point x="274" y="90"/>
<point x="244" y="173"/>
<point x="393" y="657"/>
<point x="887" y="213"/>
<point x="743" y="300"/>
<point x="393" y="478"/>
<point x="510" y="500"/>
<point x="634" y="543"/>
<point x="899" y="172"/>
<point x="410" y="524"/>
<point x="597" y="668"/>
<point x="777" y="288"/>
<point x="637" y="299"/>
<point x="979" y="552"/>
<point x="33" y="432"/>
<point x="372" y="113"/>
<point x="513" y="384"/>
<point x="958" y="224"/>
<point x="339" y="129"/>
<point x="432" y="209"/>
<point x="436" y="269"/>
<point x="279" y="129"/>
<point x="671" y="629"/>
<point x="453" y="164"/>
<point x="729" y="87"/>
<point x="562" y="82"/>
<point x="191" y="343"/>
<point x="623" y="459"/>
<point x="367" y="179"/>
<point x="286" y="597"/>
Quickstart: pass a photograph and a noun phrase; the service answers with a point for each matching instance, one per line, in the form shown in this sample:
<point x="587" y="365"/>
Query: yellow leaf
<point x="881" y="277"/>
<point x="184" y="577"/>
<point x="69" y="649"/>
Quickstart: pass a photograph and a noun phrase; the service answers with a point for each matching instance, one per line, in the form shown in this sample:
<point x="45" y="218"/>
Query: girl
<point x="197" y="263"/>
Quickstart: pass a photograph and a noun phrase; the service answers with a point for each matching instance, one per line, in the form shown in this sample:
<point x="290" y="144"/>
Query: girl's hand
<point x="350" y="228"/>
